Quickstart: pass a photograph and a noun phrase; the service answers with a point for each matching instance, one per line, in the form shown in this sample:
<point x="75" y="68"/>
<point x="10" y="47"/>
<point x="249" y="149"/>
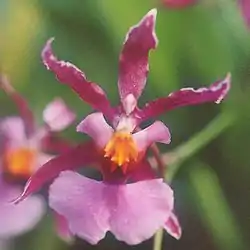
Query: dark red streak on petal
<point x="186" y="97"/>
<point x="69" y="74"/>
<point x="133" y="65"/>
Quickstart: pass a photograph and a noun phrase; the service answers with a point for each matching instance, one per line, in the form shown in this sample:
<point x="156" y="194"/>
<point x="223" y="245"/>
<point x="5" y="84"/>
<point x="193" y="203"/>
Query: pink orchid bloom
<point x="22" y="153"/>
<point x="133" y="211"/>
<point x="176" y="4"/>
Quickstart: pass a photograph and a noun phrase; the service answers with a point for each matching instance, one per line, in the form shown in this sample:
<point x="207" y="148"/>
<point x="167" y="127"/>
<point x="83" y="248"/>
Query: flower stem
<point x="198" y="141"/>
<point x="189" y="148"/>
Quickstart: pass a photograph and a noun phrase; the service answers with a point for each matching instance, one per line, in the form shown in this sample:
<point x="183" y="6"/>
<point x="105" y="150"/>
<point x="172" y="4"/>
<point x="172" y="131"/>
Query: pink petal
<point x="69" y="74"/>
<point x="157" y="132"/>
<point x="62" y="228"/>
<point x="20" y="102"/>
<point x="179" y="3"/>
<point x="80" y="201"/>
<point x="12" y="128"/>
<point x="79" y="156"/>
<point x="186" y="97"/>
<point x="57" y="115"/>
<point x="138" y="210"/>
<point x="132" y="212"/>
<point x="245" y="10"/>
<point x="133" y="67"/>
<point x="97" y="128"/>
<point x="172" y="226"/>
<point x="18" y="219"/>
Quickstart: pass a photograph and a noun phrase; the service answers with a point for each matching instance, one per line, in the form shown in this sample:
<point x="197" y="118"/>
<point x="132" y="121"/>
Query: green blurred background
<point x="197" y="46"/>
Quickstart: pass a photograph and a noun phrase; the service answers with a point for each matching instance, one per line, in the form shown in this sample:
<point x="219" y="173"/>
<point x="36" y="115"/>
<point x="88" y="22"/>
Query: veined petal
<point x="157" y="132"/>
<point x="80" y="200"/>
<point x="57" y="115"/>
<point x="69" y="74"/>
<point x="172" y="226"/>
<point x="97" y="128"/>
<point x="132" y="212"/>
<point x="186" y="97"/>
<point x="21" y="104"/>
<point x="245" y="10"/>
<point x="18" y="219"/>
<point x="13" y="129"/>
<point x="76" y="157"/>
<point x="133" y="65"/>
<point x="139" y="209"/>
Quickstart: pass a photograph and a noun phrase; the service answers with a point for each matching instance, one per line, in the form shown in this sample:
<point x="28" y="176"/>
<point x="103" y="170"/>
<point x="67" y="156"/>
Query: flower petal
<point x="138" y="210"/>
<point x="186" y="97"/>
<point x="172" y="226"/>
<point x="80" y="201"/>
<point x="245" y="10"/>
<point x="21" y="104"/>
<point x="57" y="115"/>
<point x="79" y="156"/>
<point x="12" y="128"/>
<point x="133" y="67"/>
<point x="157" y="132"/>
<point x="132" y="212"/>
<point x="97" y="128"/>
<point x="18" y="219"/>
<point x="62" y="228"/>
<point x="69" y="74"/>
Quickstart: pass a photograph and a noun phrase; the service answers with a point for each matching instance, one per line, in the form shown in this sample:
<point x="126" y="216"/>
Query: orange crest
<point x="121" y="149"/>
<point x="20" y="162"/>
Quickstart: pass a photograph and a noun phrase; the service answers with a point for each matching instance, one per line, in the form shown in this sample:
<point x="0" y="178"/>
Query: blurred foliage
<point x="197" y="46"/>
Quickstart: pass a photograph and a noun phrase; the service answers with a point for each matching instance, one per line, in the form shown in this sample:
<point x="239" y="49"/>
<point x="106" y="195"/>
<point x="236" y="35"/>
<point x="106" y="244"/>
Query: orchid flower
<point x="130" y="201"/>
<point x="22" y="153"/>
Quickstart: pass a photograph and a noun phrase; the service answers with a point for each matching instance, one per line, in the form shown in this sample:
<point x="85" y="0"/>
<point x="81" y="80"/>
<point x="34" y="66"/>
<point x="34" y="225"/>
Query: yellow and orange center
<point x="121" y="149"/>
<point x="20" y="162"/>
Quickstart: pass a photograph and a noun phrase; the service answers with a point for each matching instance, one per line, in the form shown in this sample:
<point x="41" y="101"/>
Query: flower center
<point x="20" y="162"/>
<point x="121" y="149"/>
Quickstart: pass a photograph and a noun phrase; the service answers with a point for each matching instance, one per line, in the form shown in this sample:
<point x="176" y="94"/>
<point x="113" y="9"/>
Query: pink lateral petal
<point x="97" y="128"/>
<point x="80" y="201"/>
<point x="176" y="4"/>
<point x="18" y="219"/>
<point x="21" y="104"/>
<point x="76" y="157"/>
<point x="57" y="115"/>
<point x="62" y="228"/>
<point x="12" y="128"/>
<point x="187" y="97"/>
<point x="139" y="209"/>
<point x="172" y="226"/>
<point x="157" y="132"/>
<point x="133" y="64"/>
<point x="245" y="10"/>
<point x="133" y="212"/>
<point x="69" y="74"/>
